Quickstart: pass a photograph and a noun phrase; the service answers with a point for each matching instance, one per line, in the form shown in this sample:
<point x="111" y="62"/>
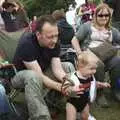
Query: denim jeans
<point x="4" y="104"/>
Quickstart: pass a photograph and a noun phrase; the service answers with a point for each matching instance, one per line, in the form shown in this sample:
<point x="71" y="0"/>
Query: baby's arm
<point x="102" y="85"/>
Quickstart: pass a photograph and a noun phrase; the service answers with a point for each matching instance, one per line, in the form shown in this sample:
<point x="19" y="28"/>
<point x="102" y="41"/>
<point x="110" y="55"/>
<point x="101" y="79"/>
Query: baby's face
<point x="88" y="70"/>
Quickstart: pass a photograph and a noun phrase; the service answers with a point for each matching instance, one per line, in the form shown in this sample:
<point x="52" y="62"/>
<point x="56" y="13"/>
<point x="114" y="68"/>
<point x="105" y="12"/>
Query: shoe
<point x="91" y="117"/>
<point x="102" y="102"/>
<point x="116" y="94"/>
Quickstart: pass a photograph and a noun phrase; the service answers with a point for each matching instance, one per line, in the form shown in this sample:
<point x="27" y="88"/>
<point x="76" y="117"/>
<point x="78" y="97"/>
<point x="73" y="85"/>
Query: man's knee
<point x="24" y="77"/>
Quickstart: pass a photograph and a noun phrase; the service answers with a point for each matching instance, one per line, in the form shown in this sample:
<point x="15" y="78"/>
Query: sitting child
<point x="84" y="77"/>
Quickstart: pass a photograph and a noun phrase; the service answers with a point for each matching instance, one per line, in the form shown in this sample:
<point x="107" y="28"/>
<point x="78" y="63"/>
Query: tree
<point x="39" y="7"/>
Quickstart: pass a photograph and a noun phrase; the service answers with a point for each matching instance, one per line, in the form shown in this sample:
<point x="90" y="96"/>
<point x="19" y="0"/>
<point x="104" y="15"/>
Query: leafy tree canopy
<point x="39" y="7"/>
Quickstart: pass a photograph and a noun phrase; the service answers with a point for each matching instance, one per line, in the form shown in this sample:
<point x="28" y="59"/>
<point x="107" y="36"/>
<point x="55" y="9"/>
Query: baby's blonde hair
<point x="86" y="57"/>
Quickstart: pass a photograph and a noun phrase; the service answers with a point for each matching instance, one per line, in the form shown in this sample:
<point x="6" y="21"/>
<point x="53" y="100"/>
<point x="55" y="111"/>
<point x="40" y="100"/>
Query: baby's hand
<point x="103" y="85"/>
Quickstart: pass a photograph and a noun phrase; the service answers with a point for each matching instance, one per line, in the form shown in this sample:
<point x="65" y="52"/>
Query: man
<point x="34" y="55"/>
<point x="115" y="5"/>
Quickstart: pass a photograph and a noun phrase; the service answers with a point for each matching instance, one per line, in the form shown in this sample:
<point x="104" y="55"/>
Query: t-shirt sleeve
<point x="26" y="53"/>
<point x="82" y="32"/>
<point x="56" y="52"/>
<point x="116" y="36"/>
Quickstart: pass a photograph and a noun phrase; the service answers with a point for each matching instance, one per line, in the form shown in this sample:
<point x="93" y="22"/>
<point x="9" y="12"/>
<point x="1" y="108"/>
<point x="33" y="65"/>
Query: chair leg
<point x="12" y="95"/>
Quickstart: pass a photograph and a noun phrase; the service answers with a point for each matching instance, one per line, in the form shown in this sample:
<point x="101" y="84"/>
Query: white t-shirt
<point x="99" y="36"/>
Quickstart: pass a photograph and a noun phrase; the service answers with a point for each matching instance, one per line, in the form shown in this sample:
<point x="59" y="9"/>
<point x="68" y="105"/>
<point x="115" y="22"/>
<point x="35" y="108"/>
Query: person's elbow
<point x="73" y="40"/>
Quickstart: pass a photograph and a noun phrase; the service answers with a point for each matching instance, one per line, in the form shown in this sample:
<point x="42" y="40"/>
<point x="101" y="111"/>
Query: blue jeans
<point x="4" y="104"/>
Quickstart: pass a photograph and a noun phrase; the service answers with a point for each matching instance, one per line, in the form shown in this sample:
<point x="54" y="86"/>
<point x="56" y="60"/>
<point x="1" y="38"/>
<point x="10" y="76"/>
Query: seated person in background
<point x="21" y="15"/>
<point x="100" y="37"/>
<point x="35" y="55"/>
<point x="86" y="11"/>
<point x="32" y="25"/>
<point x="66" y="33"/>
<point x="84" y="77"/>
<point x="8" y="17"/>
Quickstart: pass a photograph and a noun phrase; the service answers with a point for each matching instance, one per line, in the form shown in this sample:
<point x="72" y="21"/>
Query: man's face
<point x="49" y="35"/>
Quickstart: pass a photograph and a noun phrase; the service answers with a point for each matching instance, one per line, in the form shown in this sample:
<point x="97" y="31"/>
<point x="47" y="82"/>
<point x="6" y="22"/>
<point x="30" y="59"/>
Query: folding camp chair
<point x="7" y="50"/>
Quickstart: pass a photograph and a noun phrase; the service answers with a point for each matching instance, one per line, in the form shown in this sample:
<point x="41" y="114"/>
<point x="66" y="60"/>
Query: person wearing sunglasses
<point x="100" y="38"/>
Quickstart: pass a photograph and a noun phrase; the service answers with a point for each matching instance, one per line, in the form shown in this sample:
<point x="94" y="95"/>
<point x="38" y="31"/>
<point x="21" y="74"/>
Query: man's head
<point x="87" y="63"/>
<point x="58" y="14"/>
<point x="47" y="31"/>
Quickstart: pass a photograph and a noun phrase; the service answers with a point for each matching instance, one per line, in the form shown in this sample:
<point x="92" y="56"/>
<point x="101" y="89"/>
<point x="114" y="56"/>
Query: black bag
<point x="105" y="51"/>
<point x="67" y="55"/>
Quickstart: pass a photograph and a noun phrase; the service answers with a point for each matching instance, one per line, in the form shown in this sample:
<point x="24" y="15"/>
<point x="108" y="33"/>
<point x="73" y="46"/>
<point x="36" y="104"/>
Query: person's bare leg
<point x="85" y="113"/>
<point x="70" y="112"/>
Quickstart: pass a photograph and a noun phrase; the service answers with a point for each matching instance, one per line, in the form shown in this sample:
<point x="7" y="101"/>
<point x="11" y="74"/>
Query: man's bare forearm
<point x="75" y="44"/>
<point x="52" y="84"/>
<point x="57" y="69"/>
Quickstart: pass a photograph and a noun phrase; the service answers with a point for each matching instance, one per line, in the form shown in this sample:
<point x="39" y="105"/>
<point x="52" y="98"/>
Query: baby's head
<point x="87" y="63"/>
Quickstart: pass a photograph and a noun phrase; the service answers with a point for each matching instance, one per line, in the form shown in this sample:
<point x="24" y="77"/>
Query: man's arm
<point x="49" y="82"/>
<point x="46" y="80"/>
<point x="57" y="68"/>
<point x="75" y="44"/>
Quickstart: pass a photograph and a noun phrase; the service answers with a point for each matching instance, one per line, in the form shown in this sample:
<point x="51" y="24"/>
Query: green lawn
<point x="112" y="113"/>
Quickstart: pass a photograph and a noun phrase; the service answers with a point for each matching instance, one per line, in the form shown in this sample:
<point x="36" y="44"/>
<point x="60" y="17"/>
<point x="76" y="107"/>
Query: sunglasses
<point x="103" y="15"/>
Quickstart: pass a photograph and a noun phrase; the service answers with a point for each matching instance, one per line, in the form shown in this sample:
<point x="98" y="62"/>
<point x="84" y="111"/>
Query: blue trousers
<point x="4" y="104"/>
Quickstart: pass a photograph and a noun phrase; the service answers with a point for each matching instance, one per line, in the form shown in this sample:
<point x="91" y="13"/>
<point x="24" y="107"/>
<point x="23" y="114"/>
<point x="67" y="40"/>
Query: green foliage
<point x="39" y="7"/>
<point x="98" y="1"/>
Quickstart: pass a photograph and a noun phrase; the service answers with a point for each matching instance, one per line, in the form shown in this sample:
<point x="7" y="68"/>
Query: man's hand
<point x="69" y="89"/>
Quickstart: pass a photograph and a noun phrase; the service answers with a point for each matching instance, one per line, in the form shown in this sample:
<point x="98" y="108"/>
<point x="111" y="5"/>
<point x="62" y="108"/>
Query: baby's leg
<point x="85" y="113"/>
<point x="70" y="112"/>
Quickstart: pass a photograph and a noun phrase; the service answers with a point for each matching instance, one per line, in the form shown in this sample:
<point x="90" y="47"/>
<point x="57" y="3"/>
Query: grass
<point x="112" y="113"/>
